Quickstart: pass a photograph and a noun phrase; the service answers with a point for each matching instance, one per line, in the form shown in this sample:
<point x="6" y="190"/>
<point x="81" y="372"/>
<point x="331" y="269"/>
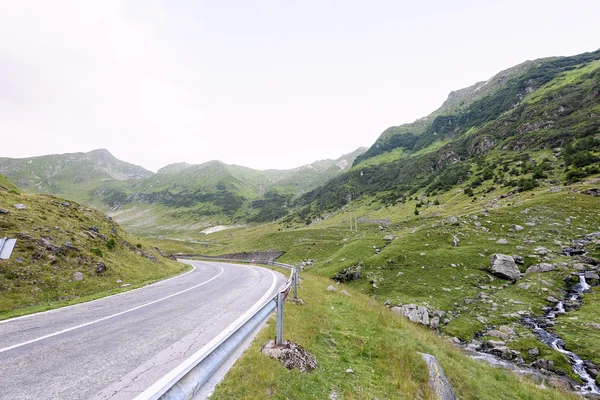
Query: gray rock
<point x="331" y="288"/>
<point x="349" y="371"/>
<point x="3" y="211"/>
<point x="517" y="228"/>
<point x="542" y="267"/>
<point x="291" y="355"/>
<point x="435" y="323"/>
<point x="542" y="363"/>
<point x="508" y="330"/>
<point x="541" y="250"/>
<point x="534" y="352"/>
<point x="591" y="275"/>
<point x="499" y="334"/>
<point x="78" y="276"/>
<point x="65" y="204"/>
<point x="504" y="267"/>
<point x="20" y="206"/>
<point x="414" y="313"/>
<point x="389" y="238"/>
<point x="518" y="259"/>
<point x="502" y="241"/>
<point x="451" y="221"/>
<point x="437" y="380"/>
<point x="100" y="267"/>
<point x="494" y="344"/>
<point x="455" y="241"/>
<point x="345" y="292"/>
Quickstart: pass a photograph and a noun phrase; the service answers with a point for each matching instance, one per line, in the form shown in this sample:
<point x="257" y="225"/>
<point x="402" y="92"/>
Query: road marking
<point x="157" y="389"/>
<point x="110" y="316"/>
<point x="100" y="299"/>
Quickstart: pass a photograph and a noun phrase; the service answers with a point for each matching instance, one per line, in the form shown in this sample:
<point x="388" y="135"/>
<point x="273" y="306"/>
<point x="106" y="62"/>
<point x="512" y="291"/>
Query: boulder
<point x="100" y="267"/>
<point x="413" y="312"/>
<point x="455" y="241"/>
<point x="542" y="267"/>
<point x="348" y="274"/>
<point x="504" y="267"/>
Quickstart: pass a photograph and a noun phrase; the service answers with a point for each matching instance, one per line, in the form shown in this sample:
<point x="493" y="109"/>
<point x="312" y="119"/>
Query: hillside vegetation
<point x="67" y="253"/>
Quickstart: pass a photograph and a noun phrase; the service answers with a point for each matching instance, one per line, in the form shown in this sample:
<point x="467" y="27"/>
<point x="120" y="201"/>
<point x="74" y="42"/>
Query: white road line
<point x="100" y="299"/>
<point x="110" y="316"/>
<point x="193" y="360"/>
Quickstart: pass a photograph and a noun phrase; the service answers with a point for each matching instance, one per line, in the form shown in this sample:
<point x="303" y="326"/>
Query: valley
<point x="478" y="223"/>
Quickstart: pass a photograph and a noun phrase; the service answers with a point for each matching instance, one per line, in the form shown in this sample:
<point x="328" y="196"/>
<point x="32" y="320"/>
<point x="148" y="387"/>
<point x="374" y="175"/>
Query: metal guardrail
<point x="184" y="381"/>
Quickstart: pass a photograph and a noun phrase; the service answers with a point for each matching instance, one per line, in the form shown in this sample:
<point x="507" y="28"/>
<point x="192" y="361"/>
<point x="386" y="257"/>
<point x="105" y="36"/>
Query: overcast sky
<point x="265" y="84"/>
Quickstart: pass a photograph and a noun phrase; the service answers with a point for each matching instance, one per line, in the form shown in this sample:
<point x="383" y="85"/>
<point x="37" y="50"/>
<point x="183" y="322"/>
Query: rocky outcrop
<point x="542" y="267"/>
<point x="348" y="274"/>
<point x="291" y="355"/>
<point x="414" y="313"/>
<point x="504" y="267"/>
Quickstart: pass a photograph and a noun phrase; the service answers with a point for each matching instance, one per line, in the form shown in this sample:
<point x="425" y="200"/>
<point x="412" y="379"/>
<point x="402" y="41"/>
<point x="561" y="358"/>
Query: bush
<point x="96" y="251"/>
<point x="111" y="243"/>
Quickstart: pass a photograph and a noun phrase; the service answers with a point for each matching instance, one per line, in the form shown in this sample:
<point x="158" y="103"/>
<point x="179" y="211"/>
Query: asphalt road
<point x="116" y="347"/>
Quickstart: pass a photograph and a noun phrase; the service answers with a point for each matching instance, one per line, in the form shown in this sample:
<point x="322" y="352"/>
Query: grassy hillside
<point x="67" y="253"/>
<point x="381" y="348"/>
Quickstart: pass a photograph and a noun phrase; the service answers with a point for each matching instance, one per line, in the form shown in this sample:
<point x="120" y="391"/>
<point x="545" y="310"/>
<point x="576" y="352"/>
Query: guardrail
<point x="184" y="381"/>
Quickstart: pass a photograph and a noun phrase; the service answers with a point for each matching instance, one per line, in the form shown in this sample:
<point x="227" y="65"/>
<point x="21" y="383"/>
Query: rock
<point x="414" y="313"/>
<point x="348" y="274"/>
<point x="494" y="344"/>
<point x="543" y="267"/>
<point x="65" y="204"/>
<point x="349" y="371"/>
<point x="542" y="363"/>
<point x="502" y="241"/>
<point x="504" y="267"/>
<point x="387" y="303"/>
<point x="517" y="228"/>
<point x="524" y="286"/>
<point x="298" y="302"/>
<point x="330" y="288"/>
<point x="389" y="238"/>
<point x="508" y="330"/>
<point x="518" y="259"/>
<point x="100" y="267"/>
<point x="455" y="241"/>
<point x="344" y="291"/>
<point x="3" y="211"/>
<point x="126" y="285"/>
<point x="435" y="323"/>
<point x="291" y="355"/>
<point x="451" y="221"/>
<point x="20" y="206"/>
<point x="78" y="276"/>
<point x="437" y="380"/>
<point x="534" y="352"/>
<point x="94" y="229"/>
<point x="119" y="281"/>
<point x="552" y="299"/>
<point x="580" y="267"/>
<point x="499" y="334"/>
<point x="591" y="275"/>
<point x="475" y="345"/>
<point x="541" y="250"/>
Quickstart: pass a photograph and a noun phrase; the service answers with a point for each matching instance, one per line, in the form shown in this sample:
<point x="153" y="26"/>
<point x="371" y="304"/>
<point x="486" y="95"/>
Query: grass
<point x="55" y="242"/>
<point x="381" y="348"/>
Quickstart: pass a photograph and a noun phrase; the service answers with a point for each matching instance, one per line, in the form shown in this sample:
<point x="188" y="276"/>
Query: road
<point x="115" y="347"/>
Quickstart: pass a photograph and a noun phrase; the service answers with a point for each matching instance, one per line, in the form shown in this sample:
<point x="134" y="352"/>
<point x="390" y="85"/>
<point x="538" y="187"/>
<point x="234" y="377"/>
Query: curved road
<point x="116" y="347"/>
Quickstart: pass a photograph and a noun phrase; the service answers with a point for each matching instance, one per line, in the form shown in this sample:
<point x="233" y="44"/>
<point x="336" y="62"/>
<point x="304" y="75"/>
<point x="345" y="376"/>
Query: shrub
<point x="96" y="251"/>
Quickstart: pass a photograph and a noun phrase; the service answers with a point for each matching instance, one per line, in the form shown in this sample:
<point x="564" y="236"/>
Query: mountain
<point x="534" y="107"/>
<point x="179" y="197"/>
<point x="58" y="173"/>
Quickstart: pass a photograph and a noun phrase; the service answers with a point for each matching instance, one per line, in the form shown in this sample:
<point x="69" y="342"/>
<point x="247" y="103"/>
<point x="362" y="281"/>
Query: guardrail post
<point x="295" y="283"/>
<point x="279" y="339"/>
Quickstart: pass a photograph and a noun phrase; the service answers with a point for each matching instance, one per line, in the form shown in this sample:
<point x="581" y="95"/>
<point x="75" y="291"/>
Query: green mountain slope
<point x="67" y="253"/>
<point x="537" y="106"/>
<point x="66" y="174"/>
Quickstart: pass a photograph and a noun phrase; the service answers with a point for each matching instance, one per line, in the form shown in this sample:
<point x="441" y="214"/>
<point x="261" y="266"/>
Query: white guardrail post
<point x="295" y="283"/>
<point x="280" y="300"/>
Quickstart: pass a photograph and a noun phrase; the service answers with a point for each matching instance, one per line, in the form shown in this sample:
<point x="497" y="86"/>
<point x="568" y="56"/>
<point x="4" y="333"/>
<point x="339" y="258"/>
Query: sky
<point x="264" y="84"/>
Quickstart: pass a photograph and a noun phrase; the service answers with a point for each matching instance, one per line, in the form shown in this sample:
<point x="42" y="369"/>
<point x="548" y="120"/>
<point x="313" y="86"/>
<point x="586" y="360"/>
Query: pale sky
<point x="265" y="84"/>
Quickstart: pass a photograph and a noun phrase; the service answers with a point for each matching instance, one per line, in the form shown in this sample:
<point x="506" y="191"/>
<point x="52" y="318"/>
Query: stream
<point x="539" y="325"/>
